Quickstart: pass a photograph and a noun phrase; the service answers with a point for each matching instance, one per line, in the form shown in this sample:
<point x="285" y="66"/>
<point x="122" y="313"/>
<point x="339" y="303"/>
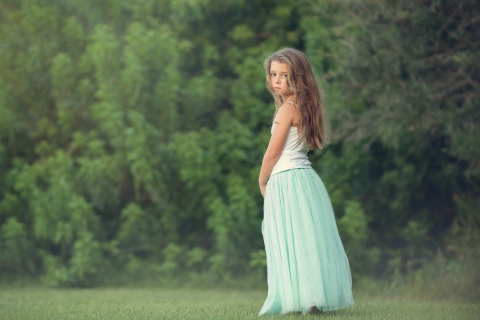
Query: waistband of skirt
<point x="290" y="169"/>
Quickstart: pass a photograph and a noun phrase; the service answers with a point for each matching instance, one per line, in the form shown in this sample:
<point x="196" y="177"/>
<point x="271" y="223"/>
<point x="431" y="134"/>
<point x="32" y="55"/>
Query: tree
<point x="404" y="82"/>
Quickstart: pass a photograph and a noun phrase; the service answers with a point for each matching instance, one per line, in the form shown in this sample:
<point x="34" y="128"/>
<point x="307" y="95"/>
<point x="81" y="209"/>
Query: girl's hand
<point x="263" y="187"/>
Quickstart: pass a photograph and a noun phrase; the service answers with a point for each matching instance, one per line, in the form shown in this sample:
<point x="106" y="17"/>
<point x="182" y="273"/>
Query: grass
<point x="127" y="303"/>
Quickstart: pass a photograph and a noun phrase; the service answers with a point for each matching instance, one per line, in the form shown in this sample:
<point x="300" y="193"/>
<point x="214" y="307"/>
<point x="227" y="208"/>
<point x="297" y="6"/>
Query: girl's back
<point x="294" y="152"/>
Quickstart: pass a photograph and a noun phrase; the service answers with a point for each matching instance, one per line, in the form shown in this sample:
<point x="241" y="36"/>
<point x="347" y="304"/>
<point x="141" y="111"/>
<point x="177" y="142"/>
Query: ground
<point x="154" y="303"/>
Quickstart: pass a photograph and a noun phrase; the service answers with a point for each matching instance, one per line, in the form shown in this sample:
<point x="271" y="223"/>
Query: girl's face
<point x="278" y="79"/>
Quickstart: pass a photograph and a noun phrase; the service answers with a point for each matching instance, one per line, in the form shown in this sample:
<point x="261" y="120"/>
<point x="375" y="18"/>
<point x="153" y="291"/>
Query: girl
<point x="307" y="267"/>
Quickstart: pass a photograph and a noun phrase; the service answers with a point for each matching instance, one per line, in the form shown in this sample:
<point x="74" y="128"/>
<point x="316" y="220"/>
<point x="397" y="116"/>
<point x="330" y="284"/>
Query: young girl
<point x="307" y="267"/>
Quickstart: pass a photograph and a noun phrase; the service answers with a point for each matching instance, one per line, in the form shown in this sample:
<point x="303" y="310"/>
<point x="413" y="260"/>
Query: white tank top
<point x="294" y="153"/>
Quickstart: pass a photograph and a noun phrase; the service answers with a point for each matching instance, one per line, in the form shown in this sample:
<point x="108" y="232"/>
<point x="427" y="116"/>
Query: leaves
<point x="133" y="132"/>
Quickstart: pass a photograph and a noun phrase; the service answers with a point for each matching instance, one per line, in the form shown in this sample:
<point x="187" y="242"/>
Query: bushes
<point x="17" y="253"/>
<point x="131" y="133"/>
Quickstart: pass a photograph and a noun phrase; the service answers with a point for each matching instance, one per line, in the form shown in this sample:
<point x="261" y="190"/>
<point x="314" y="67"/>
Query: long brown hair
<point x="307" y="95"/>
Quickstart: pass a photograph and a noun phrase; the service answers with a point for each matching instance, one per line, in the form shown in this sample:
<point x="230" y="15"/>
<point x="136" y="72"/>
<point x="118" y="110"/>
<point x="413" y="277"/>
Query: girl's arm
<point x="283" y="121"/>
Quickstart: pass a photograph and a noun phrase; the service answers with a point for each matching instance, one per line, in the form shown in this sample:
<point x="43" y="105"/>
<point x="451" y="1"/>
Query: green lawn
<point x="126" y="303"/>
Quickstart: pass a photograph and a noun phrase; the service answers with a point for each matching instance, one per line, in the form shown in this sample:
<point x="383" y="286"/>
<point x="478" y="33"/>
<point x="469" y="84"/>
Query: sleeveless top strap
<point x="291" y="103"/>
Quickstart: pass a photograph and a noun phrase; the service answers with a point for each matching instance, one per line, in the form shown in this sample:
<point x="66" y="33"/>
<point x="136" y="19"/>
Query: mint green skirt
<point x="306" y="262"/>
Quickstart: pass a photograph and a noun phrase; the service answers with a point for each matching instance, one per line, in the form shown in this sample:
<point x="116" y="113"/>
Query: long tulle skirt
<point x="306" y="262"/>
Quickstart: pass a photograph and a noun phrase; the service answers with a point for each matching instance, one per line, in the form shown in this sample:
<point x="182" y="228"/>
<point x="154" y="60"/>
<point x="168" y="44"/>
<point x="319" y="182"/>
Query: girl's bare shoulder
<point x="292" y="110"/>
<point x="287" y="107"/>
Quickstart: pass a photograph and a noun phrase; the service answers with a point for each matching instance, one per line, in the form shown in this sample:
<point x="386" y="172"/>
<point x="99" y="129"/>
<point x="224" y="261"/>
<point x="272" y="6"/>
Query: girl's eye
<point x="272" y="74"/>
<point x="285" y="76"/>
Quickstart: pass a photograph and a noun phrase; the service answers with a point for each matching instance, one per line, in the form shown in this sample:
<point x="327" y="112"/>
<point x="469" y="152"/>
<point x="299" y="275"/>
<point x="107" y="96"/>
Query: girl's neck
<point x="290" y="98"/>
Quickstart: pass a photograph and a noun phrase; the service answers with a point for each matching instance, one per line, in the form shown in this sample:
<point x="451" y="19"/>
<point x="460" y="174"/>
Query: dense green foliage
<point x="132" y="132"/>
